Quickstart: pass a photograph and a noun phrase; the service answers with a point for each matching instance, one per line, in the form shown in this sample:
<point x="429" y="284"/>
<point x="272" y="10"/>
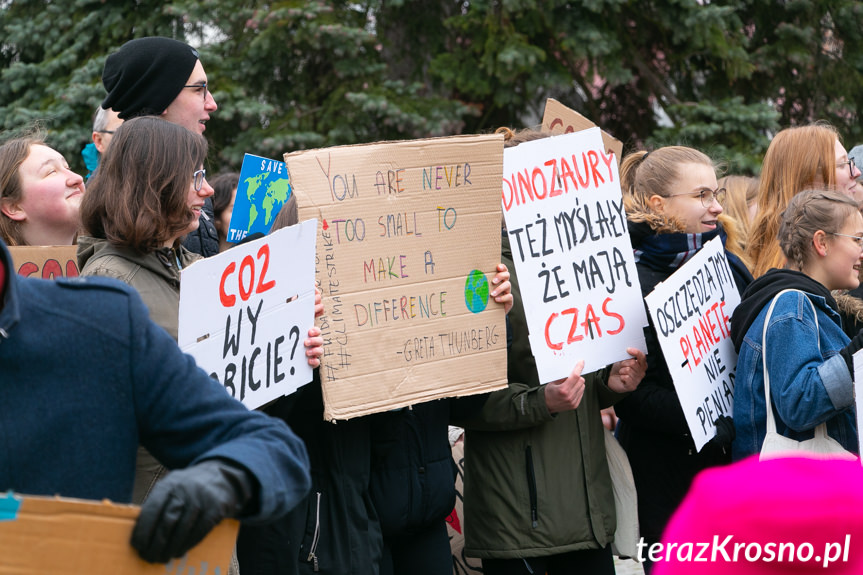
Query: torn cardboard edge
<point x="559" y="119"/>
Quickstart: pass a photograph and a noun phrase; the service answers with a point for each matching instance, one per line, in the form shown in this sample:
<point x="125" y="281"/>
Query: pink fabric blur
<point x="786" y="515"/>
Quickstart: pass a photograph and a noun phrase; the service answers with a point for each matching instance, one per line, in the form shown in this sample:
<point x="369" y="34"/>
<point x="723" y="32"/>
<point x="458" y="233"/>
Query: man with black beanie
<point x="157" y="76"/>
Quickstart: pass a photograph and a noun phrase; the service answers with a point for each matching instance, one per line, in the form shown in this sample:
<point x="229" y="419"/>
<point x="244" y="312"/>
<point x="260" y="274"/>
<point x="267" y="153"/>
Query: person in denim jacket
<point x="810" y="365"/>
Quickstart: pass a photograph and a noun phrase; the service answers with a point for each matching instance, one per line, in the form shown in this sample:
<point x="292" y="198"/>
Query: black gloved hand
<point x="849" y="350"/>
<point x="725" y="433"/>
<point x="185" y="505"/>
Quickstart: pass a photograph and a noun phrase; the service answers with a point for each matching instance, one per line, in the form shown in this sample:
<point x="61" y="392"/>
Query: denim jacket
<point x="808" y="386"/>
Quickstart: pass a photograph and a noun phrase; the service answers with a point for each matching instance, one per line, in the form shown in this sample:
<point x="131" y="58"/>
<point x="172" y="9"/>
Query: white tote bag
<point x="776" y="444"/>
<point x="625" y="542"/>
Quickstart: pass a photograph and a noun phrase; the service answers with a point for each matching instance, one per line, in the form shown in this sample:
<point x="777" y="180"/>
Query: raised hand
<point x="565" y="394"/>
<point x="627" y="374"/>
<point x="502" y="292"/>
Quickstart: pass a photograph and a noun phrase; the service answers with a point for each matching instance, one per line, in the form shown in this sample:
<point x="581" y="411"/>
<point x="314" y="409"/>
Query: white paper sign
<point x="245" y="313"/>
<point x="570" y="243"/>
<point x="691" y="311"/>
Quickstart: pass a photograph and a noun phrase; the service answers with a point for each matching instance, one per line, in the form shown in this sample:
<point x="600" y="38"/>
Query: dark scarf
<point x="667" y="251"/>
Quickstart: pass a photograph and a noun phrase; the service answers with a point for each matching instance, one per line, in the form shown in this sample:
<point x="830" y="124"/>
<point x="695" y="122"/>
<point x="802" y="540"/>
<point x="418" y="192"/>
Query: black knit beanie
<point x="145" y="75"/>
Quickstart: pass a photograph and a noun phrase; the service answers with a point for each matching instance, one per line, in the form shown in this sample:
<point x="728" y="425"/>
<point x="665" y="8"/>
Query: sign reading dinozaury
<point x="409" y="239"/>
<point x="570" y="243"/>
<point x="691" y="311"/>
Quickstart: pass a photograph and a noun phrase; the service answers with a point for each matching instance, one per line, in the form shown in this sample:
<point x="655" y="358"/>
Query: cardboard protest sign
<point x="558" y="119"/>
<point x="77" y="537"/>
<point x="570" y="243"/>
<point x="408" y="244"/>
<point x="691" y="311"/>
<point x="245" y="313"/>
<point x="263" y="189"/>
<point x="46" y="262"/>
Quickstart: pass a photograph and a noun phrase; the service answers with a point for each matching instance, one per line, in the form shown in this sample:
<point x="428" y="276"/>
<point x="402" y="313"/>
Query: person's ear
<point x="819" y="242"/>
<point x="12" y="211"/>
<point x="657" y="203"/>
<point x="97" y="141"/>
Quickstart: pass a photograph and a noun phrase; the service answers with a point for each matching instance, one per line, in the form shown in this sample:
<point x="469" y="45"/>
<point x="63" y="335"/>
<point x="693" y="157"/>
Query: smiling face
<point x="195" y="202"/>
<point x="50" y="197"/>
<point x="840" y="264"/>
<point x="683" y="201"/>
<point x="192" y="106"/>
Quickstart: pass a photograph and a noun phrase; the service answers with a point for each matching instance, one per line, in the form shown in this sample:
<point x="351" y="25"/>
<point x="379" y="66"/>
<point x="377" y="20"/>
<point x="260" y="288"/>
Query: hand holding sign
<point x="565" y="394"/>
<point x="314" y="347"/>
<point x="502" y="292"/>
<point x="627" y="374"/>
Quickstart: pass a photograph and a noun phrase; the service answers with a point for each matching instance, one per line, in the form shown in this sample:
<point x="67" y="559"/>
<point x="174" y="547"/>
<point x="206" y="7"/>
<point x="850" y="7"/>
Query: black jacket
<point x="653" y="428"/>
<point x="413" y="473"/>
<point x="205" y="240"/>
<point x="335" y="529"/>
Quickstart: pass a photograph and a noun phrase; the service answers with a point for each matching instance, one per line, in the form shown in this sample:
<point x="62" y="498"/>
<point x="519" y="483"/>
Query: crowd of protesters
<point x="371" y="495"/>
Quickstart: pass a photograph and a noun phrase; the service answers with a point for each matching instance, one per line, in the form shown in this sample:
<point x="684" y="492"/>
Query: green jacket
<point x="156" y="275"/>
<point x="536" y="484"/>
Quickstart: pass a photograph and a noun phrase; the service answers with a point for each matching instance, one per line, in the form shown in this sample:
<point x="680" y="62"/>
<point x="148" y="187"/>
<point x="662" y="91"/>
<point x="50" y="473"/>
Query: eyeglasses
<point x="851" y="166"/>
<point x="198" y="179"/>
<point x="105" y="131"/>
<point x="706" y="196"/>
<point x="857" y="239"/>
<point x="202" y="87"/>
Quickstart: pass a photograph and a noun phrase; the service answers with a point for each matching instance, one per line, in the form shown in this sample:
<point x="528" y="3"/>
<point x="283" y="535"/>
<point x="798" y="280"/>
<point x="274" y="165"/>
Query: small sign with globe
<point x="263" y="189"/>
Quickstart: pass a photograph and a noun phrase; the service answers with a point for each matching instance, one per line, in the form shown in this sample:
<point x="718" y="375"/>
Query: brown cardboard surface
<point x="74" y="537"/>
<point x="46" y="262"/>
<point x="558" y="119"/>
<point x="386" y="213"/>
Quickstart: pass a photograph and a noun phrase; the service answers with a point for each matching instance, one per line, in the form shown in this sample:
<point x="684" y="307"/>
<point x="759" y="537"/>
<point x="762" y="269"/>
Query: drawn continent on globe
<point x="276" y="196"/>
<point x="253" y="184"/>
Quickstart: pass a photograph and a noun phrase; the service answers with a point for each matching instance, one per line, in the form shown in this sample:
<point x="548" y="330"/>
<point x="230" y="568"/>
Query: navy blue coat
<point x="85" y="377"/>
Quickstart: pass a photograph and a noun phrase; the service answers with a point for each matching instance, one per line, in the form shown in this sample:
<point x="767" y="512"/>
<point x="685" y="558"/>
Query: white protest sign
<point x="570" y="243"/>
<point x="245" y="313"/>
<point x="691" y="311"/>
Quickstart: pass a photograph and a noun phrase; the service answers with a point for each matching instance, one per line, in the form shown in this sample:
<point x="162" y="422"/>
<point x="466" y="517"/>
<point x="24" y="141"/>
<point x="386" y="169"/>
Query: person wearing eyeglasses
<point x="674" y="206"/>
<point x="163" y="77"/>
<point x="797" y="158"/>
<point x="146" y="195"/>
<point x="806" y="353"/>
<point x="104" y="124"/>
